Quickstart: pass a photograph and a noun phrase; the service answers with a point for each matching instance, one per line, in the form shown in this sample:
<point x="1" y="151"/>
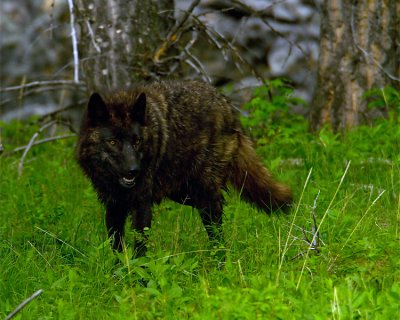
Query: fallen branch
<point x="31" y="142"/>
<point x="18" y="149"/>
<point x="23" y="304"/>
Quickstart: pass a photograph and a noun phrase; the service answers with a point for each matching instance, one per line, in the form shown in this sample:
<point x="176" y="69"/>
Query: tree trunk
<point x="119" y="38"/>
<point x="359" y="50"/>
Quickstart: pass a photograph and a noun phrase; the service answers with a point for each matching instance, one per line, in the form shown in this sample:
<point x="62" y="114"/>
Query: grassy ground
<point x="53" y="238"/>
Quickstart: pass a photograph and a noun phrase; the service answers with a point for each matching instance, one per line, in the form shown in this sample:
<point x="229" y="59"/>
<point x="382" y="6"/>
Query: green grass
<point x="53" y="238"/>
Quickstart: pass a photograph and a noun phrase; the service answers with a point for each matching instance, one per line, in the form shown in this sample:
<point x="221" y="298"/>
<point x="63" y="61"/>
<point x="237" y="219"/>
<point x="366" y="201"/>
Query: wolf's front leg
<point x="115" y="221"/>
<point x="140" y="222"/>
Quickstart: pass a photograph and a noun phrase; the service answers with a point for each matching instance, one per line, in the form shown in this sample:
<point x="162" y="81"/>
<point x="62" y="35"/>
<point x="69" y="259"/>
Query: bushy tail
<point x="255" y="183"/>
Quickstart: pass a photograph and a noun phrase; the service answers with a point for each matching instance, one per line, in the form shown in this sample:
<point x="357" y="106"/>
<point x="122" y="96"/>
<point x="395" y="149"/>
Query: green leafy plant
<point x="387" y="99"/>
<point x="269" y="112"/>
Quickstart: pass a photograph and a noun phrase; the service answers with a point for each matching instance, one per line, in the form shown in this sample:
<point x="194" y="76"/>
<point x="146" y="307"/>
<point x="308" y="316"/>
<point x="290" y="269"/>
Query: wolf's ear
<point x="138" y="109"/>
<point x="97" y="110"/>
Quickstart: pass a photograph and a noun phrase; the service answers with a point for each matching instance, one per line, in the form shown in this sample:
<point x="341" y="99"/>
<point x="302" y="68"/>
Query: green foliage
<point x="270" y="113"/>
<point x="387" y="98"/>
<point x="53" y="237"/>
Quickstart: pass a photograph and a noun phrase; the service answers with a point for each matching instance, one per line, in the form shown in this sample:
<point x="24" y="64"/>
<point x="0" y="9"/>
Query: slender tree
<point x="359" y="50"/>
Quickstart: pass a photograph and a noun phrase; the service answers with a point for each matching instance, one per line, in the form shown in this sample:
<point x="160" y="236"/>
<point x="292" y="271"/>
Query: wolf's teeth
<point x="128" y="180"/>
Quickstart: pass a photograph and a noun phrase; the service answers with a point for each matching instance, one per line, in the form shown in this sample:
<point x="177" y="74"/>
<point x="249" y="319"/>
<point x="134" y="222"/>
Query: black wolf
<point x="179" y="140"/>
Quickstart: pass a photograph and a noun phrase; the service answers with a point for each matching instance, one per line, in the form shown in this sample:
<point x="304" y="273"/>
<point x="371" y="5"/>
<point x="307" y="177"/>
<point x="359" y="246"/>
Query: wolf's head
<point x="113" y="138"/>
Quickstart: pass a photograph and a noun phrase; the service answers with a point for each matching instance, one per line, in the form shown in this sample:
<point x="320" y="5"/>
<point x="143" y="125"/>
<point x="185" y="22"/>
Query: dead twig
<point x="23" y="304"/>
<point x="214" y="37"/>
<point x="224" y="45"/>
<point x="314" y="243"/>
<point x="185" y="17"/>
<point x="18" y="149"/>
<point x="92" y="37"/>
<point x="31" y="142"/>
<point x="174" y="34"/>
<point x="196" y="64"/>
<point x="322" y="220"/>
<point x="315" y="233"/>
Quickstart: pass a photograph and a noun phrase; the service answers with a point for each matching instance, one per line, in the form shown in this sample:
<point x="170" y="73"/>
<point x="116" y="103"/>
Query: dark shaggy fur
<point x="176" y="140"/>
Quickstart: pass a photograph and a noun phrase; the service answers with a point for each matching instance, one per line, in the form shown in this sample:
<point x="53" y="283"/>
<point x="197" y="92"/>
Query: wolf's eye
<point x="136" y="141"/>
<point x="112" y="142"/>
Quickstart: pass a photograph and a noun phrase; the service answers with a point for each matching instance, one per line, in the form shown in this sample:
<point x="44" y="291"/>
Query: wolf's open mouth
<point x="127" y="182"/>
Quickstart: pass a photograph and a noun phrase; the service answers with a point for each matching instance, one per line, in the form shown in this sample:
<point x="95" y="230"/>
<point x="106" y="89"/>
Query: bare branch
<point x="174" y="34"/>
<point x="184" y="18"/>
<point x="42" y="83"/>
<point x="224" y="44"/>
<point x="200" y="68"/>
<point x="74" y="41"/>
<point x="266" y="22"/>
<point x="54" y="113"/>
<point x="91" y="34"/>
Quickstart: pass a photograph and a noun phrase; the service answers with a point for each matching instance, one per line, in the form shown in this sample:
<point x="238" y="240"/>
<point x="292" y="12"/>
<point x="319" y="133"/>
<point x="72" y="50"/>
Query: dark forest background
<point x="53" y="53"/>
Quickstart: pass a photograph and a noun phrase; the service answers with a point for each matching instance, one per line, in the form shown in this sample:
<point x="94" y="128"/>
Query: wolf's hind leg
<point x="211" y="215"/>
<point x="212" y="221"/>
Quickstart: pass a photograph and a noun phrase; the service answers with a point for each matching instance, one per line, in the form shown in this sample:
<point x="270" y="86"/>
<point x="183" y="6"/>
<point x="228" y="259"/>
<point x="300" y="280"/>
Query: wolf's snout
<point x="133" y="171"/>
<point x="129" y="178"/>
